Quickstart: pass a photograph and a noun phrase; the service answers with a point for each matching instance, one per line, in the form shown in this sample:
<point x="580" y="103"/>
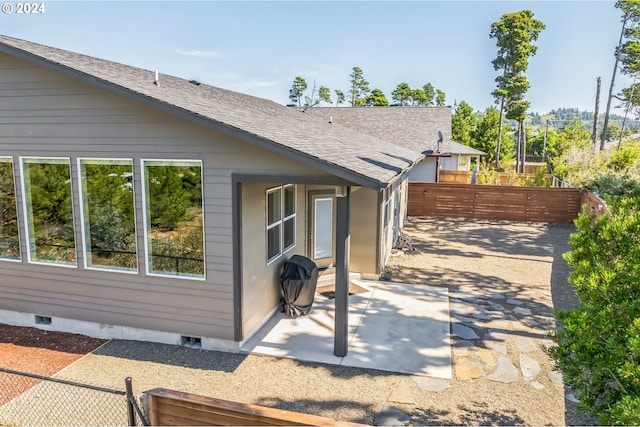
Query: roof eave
<point x="304" y="158"/>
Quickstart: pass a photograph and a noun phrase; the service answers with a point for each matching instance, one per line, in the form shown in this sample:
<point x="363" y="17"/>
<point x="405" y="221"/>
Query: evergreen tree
<point x="401" y="95"/>
<point x="463" y="124"/>
<point x="324" y="94"/>
<point x="168" y="202"/>
<point x="9" y="242"/>
<point x="441" y="99"/>
<point x="110" y="207"/>
<point x="485" y="137"/>
<point x="297" y="90"/>
<point x="50" y="202"/>
<point x="359" y="87"/>
<point x="376" y="99"/>
<point x="514" y="34"/>
<point x="418" y="97"/>
<point x="429" y="94"/>
<point x="339" y="97"/>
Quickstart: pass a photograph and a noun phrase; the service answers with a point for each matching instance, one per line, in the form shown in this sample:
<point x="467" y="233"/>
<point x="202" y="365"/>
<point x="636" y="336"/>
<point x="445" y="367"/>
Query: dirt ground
<point x="38" y="352"/>
<point x="504" y="280"/>
<point x="495" y="261"/>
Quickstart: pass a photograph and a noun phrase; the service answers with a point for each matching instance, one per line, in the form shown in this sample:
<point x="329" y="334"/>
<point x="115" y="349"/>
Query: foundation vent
<point x="191" y="342"/>
<point x="43" y="320"/>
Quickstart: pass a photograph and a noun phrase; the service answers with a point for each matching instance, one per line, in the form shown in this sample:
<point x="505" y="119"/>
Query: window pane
<point x="273" y="242"/>
<point x="49" y="212"/>
<point x="174" y="218"/>
<point x="289" y="200"/>
<point x="289" y="233"/>
<point x="9" y="241"/>
<point x="109" y="214"/>
<point x="323" y="228"/>
<point x="274" y="206"/>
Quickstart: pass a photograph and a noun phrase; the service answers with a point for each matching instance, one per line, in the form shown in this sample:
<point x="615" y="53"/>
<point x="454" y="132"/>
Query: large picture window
<point x="108" y="214"/>
<point x="174" y="218"/>
<point x="49" y="210"/>
<point x="281" y="220"/>
<point x="9" y="240"/>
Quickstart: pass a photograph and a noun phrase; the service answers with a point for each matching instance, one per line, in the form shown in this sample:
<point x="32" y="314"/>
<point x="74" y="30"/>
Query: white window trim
<point x="86" y="241"/>
<point x="15" y="192"/>
<point x="281" y="221"/>
<point x="146" y="228"/>
<point x="26" y="213"/>
<point x="293" y="216"/>
<point x="273" y="224"/>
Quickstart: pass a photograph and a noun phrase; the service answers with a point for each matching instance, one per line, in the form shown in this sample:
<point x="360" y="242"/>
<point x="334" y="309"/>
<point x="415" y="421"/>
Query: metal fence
<point x="28" y="399"/>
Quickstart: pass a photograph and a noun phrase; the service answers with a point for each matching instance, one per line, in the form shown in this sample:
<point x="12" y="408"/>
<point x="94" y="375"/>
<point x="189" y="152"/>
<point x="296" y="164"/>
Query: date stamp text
<point x="23" y="8"/>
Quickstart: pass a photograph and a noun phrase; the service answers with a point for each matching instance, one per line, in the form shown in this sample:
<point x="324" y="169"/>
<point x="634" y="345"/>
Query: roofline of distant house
<point x="196" y="118"/>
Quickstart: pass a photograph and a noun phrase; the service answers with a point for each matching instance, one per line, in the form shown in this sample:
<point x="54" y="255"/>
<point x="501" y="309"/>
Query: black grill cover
<point x="298" y="279"/>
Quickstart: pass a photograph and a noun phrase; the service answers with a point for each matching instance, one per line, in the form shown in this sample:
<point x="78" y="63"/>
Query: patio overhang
<point x="342" y="238"/>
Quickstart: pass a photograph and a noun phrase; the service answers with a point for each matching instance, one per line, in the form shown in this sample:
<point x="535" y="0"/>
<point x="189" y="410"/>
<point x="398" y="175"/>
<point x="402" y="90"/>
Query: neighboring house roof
<point x="347" y="153"/>
<point x="415" y="128"/>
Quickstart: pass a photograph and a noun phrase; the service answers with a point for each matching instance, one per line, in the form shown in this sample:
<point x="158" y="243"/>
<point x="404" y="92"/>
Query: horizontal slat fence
<point x="595" y="204"/>
<point x="535" y="204"/>
<point x="502" y="178"/>
<point x="166" y="407"/>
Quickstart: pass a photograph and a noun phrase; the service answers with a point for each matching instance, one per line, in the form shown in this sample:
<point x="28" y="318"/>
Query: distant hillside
<point x="563" y="116"/>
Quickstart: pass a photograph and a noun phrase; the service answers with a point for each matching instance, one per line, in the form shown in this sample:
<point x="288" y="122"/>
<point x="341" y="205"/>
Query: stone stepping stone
<point x="402" y="394"/>
<point x="462" y="347"/>
<point x="463" y="332"/>
<point x="468" y="369"/>
<point x="496" y="306"/>
<point x="434" y="385"/>
<point x="485" y="355"/>
<point x="556" y="378"/>
<point x="522" y="310"/>
<point x="496" y="314"/>
<point x="481" y="316"/>
<point x="531" y="322"/>
<point x="504" y="324"/>
<point x="514" y="301"/>
<point x="505" y="372"/>
<point x="537" y="385"/>
<point x="459" y="312"/>
<point x="499" y="336"/>
<point x="390" y="416"/>
<point x="498" y="348"/>
<point x="526" y="345"/>
<point x="572" y="398"/>
<point x="495" y="295"/>
<point x="458" y="319"/>
<point x="529" y="366"/>
<point x="465" y="296"/>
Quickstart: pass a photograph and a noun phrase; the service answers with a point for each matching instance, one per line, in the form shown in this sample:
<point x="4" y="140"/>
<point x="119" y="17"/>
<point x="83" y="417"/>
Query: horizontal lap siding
<point x="43" y="114"/>
<point x="494" y="202"/>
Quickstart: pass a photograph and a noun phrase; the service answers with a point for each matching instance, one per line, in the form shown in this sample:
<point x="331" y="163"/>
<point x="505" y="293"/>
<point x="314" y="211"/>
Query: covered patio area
<point x="394" y="327"/>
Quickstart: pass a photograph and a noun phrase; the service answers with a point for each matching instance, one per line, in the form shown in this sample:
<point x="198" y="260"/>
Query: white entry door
<point x="321" y="228"/>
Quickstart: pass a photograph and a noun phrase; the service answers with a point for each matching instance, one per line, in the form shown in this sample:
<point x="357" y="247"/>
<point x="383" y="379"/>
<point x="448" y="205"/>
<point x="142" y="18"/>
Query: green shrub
<point x="609" y="184"/>
<point x="597" y="345"/>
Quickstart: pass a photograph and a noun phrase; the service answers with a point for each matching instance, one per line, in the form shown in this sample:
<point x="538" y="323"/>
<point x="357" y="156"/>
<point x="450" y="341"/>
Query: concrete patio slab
<point x="394" y="327"/>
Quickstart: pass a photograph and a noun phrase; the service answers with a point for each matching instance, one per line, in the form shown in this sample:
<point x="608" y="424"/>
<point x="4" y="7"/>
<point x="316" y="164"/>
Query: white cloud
<point x="199" y="53"/>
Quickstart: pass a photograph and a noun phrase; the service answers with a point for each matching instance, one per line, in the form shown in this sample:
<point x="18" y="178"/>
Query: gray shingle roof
<point x="415" y="128"/>
<point x="344" y="152"/>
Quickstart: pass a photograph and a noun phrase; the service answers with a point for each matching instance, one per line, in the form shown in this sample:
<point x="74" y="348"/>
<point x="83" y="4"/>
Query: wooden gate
<point x="535" y="204"/>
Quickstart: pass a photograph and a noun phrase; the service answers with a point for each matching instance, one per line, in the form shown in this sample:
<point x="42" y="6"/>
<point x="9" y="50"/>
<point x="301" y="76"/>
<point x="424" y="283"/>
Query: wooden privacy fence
<point x="166" y="407"/>
<point x="501" y="178"/>
<point x="535" y="204"/>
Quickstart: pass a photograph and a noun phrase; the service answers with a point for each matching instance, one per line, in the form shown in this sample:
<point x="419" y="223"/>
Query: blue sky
<point x="259" y="47"/>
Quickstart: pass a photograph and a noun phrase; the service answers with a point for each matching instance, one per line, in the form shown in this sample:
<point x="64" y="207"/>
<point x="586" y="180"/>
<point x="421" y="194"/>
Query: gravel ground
<point x="481" y="262"/>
